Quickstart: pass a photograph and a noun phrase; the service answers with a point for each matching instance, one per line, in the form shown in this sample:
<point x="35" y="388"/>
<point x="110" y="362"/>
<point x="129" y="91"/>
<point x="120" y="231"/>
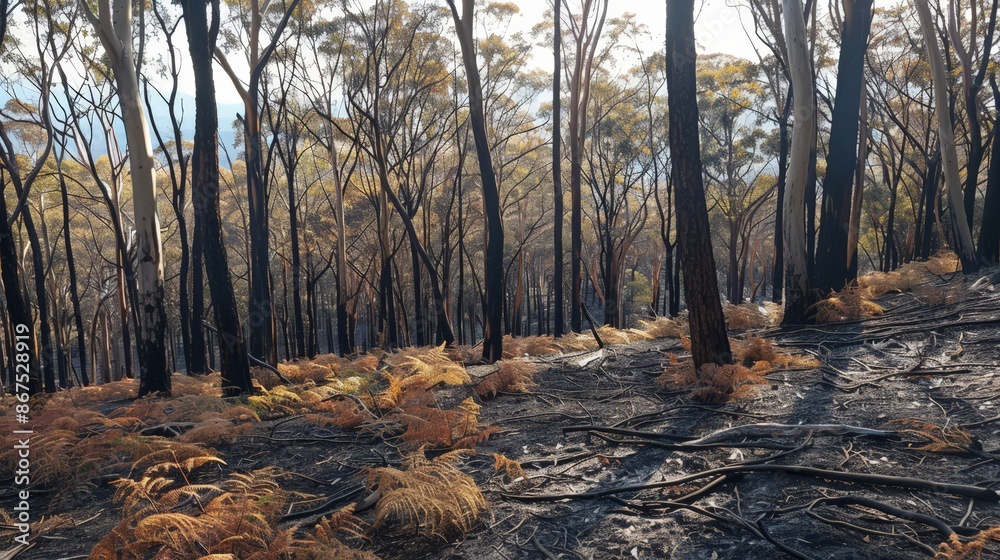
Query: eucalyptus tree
<point x="617" y="165"/>
<point x="586" y="26"/>
<point x="731" y="117"/>
<point x="113" y="24"/>
<point x="203" y="33"/>
<point x="796" y="300"/>
<point x="946" y="139"/>
<point x="832" y="255"/>
<point x="177" y="159"/>
<point x="493" y="271"/>
<point x="395" y="81"/>
<point x="254" y="32"/>
<point x="709" y="342"/>
<point x="52" y="27"/>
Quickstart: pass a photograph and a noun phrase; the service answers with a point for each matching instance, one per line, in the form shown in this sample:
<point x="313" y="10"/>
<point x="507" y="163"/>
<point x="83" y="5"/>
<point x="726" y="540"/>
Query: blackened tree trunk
<point x="778" y="272"/>
<point x="854" y="234"/>
<point x="832" y="246"/>
<point x="18" y="309"/>
<point x="931" y="179"/>
<point x="74" y="293"/>
<point x="293" y="232"/>
<point x="493" y="304"/>
<point x="202" y="37"/>
<point x="709" y="343"/>
<point x="198" y="364"/>
<point x="557" y="192"/>
<point x="988" y="250"/>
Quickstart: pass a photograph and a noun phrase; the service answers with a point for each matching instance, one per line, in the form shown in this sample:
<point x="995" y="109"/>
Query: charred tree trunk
<point x="557" y="228"/>
<point x="989" y="234"/>
<point x="198" y="365"/>
<point x="832" y="247"/>
<point x="293" y="232"/>
<point x="202" y="36"/>
<point x="709" y="343"/>
<point x="930" y="194"/>
<point x="18" y="308"/>
<point x="74" y="293"/>
<point x="493" y="304"/>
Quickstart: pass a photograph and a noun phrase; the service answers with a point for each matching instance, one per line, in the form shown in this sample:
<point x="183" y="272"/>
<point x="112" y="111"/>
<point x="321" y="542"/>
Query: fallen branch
<point x="939" y="525"/>
<point x="767" y="429"/>
<point x="968" y="491"/>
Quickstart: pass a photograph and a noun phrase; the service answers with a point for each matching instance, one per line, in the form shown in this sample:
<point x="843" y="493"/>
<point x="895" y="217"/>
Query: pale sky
<point x="717" y="29"/>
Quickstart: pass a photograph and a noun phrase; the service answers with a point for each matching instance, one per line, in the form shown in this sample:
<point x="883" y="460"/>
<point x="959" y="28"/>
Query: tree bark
<point x="493" y="308"/>
<point x="803" y="132"/>
<point x="989" y="234"/>
<point x="854" y="234"/>
<point x="113" y="24"/>
<point x="202" y="36"/>
<point x="709" y="342"/>
<point x="946" y="138"/>
<point x="832" y="247"/>
<point x="557" y="192"/>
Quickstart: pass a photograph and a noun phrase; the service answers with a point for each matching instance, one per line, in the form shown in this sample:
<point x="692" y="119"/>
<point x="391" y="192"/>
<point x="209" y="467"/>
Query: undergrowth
<point x="955" y="549"/>
<point x="856" y="301"/>
<point x="511" y="376"/>
<point x="753" y="358"/>
<point x="428" y="498"/>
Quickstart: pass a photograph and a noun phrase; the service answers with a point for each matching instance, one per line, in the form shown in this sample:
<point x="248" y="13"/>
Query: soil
<point x="930" y="357"/>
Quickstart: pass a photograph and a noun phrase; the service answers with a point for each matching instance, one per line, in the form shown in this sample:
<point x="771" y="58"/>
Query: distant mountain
<point x="185" y="107"/>
<point x="160" y="113"/>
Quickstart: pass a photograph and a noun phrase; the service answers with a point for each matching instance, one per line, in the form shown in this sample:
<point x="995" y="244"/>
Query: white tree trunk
<point x="946" y="137"/>
<point x="803" y="129"/>
<point x="113" y="23"/>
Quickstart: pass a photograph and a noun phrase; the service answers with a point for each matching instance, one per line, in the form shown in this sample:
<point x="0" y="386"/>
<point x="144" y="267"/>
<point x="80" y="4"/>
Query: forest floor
<point x="908" y="401"/>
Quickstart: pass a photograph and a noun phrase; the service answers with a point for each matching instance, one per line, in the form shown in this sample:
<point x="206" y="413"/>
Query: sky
<point x="717" y="29"/>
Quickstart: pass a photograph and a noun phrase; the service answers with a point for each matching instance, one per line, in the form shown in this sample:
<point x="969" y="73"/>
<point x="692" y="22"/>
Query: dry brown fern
<point x="941" y="439"/>
<point x="511" y="376"/>
<point x="323" y="543"/>
<point x="746" y="316"/>
<point x="523" y="346"/>
<point x="762" y="356"/>
<point x="712" y="382"/>
<point x="340" y="412"/>
<point x="431" y="498"/>
<point x="510" y="468"/>
<point x="851" y="303"/>
<point x="171" y="518"/>
<point x="955" y="549"/>
<point x="663" y="327"/>
<point x="426" y="424"/>
<point x="301" y="371"/>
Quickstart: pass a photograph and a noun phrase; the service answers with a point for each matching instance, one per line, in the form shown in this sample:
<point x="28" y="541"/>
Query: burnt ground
<point x="931" y="357"/>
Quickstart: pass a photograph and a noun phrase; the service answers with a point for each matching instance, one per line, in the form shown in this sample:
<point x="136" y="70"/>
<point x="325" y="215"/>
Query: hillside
<point x="869" y="438"/>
